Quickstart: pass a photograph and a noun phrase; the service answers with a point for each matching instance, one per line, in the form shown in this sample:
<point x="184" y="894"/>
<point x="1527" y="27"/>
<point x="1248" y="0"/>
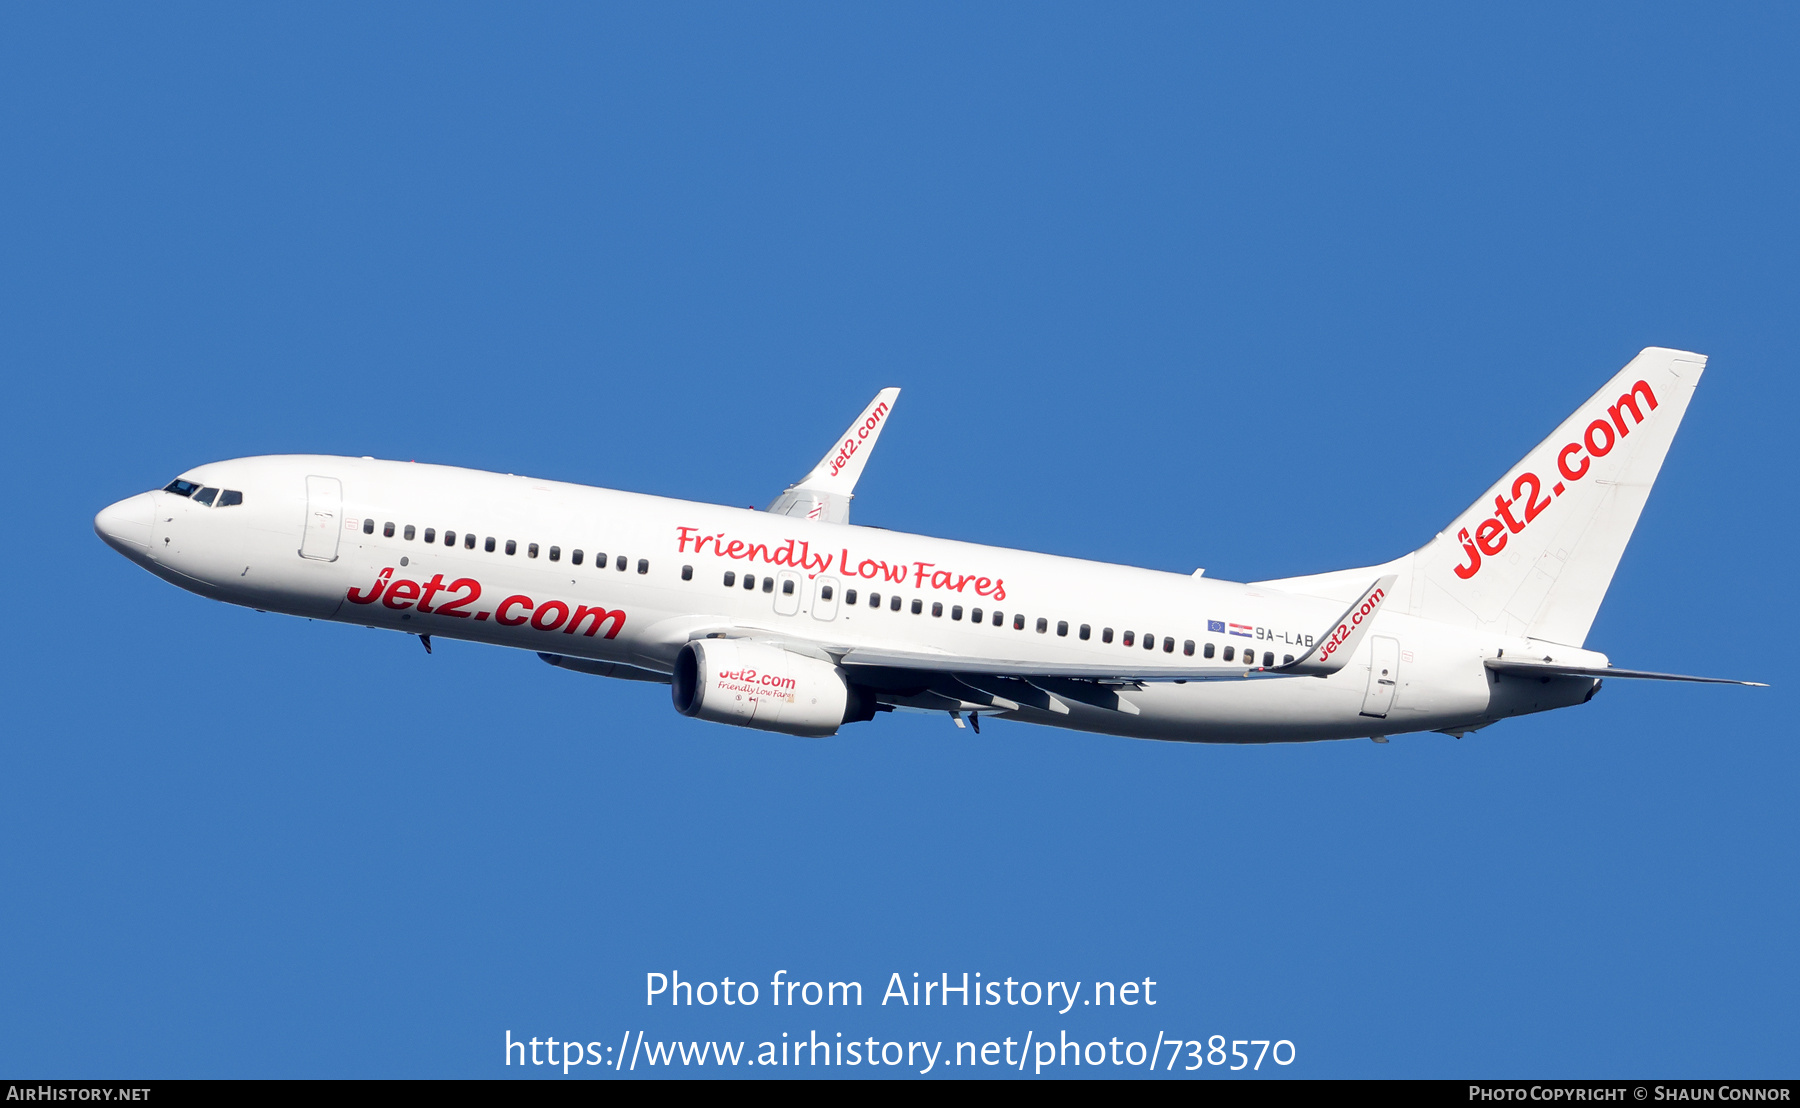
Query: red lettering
<point x="432" y="588"/>
<point x="1628" y="402"/>
<point x="1491" y="537"/>
<point x="539" y="620"/>
<point x="686" y="533"/>
<point x="1562" y="462"/>
<point x="600" y="616"/>
<point x="1534" y="502"/>
<point x="1594" y="448"/>
<point x="1505" y="508"/>
<point x="359" y="596"/>
<point x="500" y="615"/>
<point x="402" y="591"/>
<point x="1474" y="556"/>
<point x="453" y="608"/>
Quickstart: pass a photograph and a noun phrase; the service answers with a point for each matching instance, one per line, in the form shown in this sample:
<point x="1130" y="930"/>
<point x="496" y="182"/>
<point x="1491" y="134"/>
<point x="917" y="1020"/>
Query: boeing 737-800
<point x="794" y="620"/>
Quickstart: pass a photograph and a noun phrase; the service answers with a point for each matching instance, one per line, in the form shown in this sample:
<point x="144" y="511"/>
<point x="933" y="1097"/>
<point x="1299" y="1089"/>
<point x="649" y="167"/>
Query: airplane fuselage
<point x="624" y="579"/>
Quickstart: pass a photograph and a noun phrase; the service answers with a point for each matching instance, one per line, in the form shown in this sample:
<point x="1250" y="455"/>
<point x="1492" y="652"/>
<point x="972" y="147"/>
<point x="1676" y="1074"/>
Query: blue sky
<point x="1132" y="267"/>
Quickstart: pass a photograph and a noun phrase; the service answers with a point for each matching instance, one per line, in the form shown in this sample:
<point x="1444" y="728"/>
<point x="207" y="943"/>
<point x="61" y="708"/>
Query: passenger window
<point x="1106" y="634"/>
<point x="850" y="596"/>
<point x="469" y="541"/>
<point x="687" y="572"/>
<point x="620" y="564"/>
<point x="643" y="565"/>
<point x="387" y="530"/>
<point x="1208" y="652"/>
<point x="731" y="581"/>
<point x="431" y="535"/>
<point x="556" y="553"/>
<point x="574" y="555"/>
<point x="1129" y="638"/>
<point x="368" y="527"/>
<point x="600" y="561"/>
<point x="937" y="609"/>
<point x="489" y="545"/>
<point x="1043" y="625"/>
<point x="512" y="547"/>
<point x="918" y="606"/>
<point x="531" y="550"/>
<point x="999" y="618"/>
<point x="205" y="496"/>
<point x="181" y="488"/>
<point x="230" y="498"/>
<point x="768" y="584"/>
<point x="1187" y="648"/>
<point x="449" y="538"/>
<point x="1018" y="623"/>
<point x="408" y="533"/>
<point x="1287" y="659"/>
<point x="1085" y="632"/>
<point x="1062" y="628"/>
<point x="1149" y="642"/>
<point x="1268" y="658"/>
<point x="824" y="591"/>
<point x="749" y="581"/>
<point x="956" y="611"/>
<point x="894" y="603"/>
<point x="874" y="600"/>
<point x="787" y="588"/>
<point x="1229" y="651"/>
<point x="1169" y="646"/>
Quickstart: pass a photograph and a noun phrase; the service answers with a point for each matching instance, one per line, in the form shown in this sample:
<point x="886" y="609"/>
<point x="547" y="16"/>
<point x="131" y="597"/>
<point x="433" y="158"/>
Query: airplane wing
<point x="1547" y="670"/>
<point x="1333" y="649"/>
<point x="826" y="492"/>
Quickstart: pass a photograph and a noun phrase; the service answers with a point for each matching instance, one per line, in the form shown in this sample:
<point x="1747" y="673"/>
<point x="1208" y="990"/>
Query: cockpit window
<point x="205" y="496"/>
<point x="228" y="498"/>
<point x="181" y="488"/>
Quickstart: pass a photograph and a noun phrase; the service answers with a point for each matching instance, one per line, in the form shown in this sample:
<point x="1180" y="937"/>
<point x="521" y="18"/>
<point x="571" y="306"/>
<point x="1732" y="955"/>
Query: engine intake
<point x="752" y="684"/>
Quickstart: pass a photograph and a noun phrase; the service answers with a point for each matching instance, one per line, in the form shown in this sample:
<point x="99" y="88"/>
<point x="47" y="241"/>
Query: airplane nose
<point x="126" y="525"/>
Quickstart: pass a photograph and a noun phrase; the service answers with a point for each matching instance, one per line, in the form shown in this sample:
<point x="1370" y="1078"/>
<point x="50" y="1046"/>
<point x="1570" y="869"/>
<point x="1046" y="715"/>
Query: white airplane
<point x="794" y="620"/>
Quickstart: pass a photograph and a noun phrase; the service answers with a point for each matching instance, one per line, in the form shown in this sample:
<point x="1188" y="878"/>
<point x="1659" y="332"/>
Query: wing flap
<point x="1030" y="671"/>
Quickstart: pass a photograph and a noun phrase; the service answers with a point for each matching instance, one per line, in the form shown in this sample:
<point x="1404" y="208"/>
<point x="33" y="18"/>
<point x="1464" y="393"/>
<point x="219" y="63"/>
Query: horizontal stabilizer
<point x="1335" y="647"/>
<point x="1547" y="670"/>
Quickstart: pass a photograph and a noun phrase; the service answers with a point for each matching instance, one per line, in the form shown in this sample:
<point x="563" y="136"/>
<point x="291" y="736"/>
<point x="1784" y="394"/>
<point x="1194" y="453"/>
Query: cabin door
<point x="1384" y="676"/>
<point x="324" y="519"/>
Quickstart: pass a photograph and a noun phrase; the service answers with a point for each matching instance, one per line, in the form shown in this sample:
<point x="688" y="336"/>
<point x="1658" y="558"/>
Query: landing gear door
<point x="1384" y="676"/>
<point x="825" y="598"/>
<point x="324" y="519"/>
<point x="787" y="593"/>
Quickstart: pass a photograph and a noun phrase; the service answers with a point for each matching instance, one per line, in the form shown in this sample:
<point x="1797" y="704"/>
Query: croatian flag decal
<point x="1241" y="629"/>
<point x="1216" y="625"/>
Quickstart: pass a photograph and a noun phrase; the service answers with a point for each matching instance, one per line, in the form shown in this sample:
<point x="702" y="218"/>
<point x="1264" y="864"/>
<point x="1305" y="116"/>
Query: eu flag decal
<point x="1217" y="625"/>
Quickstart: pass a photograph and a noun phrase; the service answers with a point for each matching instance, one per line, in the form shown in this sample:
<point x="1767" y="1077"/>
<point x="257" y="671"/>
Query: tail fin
<point x="1534" y="556"/>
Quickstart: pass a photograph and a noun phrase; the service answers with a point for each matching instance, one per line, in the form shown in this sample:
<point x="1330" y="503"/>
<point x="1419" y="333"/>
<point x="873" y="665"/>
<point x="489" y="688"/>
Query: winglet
<point x="826" y="492"/>
<point x="1333" y="649"/>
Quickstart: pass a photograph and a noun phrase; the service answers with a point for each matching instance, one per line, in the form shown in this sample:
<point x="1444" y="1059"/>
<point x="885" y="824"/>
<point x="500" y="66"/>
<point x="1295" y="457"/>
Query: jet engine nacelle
<point x="753" y="684"/>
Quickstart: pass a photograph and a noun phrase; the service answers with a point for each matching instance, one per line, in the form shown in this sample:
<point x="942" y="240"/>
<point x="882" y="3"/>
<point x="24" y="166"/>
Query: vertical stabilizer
<point x="1534" y="555"/>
